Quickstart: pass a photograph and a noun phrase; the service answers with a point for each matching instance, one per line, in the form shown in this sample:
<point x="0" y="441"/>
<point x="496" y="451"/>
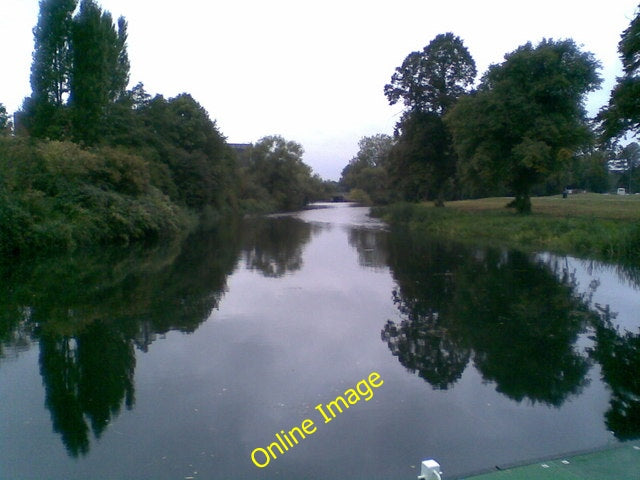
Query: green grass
<point x="591" y="225"/>
<point x="592" y="205"/>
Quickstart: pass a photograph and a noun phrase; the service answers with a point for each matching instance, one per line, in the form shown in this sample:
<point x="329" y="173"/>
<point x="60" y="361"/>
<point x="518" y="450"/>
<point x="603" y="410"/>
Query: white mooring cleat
<point x="430" y="470"/>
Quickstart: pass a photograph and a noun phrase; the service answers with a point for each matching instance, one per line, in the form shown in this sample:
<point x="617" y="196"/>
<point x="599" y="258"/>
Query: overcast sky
<point x="313" y="71"/>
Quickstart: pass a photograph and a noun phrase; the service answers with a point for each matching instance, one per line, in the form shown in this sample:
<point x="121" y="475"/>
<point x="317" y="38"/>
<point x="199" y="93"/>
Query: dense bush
<point x="56" y="195"/>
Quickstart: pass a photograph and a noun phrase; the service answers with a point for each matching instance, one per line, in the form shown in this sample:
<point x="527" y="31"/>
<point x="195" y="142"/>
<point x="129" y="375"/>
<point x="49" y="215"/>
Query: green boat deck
<point x="618" y="463"/>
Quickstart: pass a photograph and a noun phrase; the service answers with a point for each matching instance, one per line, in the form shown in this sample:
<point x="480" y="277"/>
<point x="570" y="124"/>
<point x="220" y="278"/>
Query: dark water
<point x="178" y="362"/>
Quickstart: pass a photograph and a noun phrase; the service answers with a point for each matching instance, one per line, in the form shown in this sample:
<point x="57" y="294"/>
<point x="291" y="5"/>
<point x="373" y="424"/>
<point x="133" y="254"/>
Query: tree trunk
<point x="522" y="203"/>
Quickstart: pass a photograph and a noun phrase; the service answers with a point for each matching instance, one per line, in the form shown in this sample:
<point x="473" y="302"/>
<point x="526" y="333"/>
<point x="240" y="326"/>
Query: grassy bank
<point x="592" y="225"/>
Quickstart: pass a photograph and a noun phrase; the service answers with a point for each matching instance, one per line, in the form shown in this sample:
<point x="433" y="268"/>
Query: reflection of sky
<point x="279" y="346"/>
<point x="274" y="349"/>
<point x="25" y="425"/>
<point x="614" y="289"/>
<point x="342" y="214"/>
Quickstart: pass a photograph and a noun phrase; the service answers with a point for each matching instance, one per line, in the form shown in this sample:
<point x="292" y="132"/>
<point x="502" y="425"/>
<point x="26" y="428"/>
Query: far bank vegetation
<point x="520" y="131"/>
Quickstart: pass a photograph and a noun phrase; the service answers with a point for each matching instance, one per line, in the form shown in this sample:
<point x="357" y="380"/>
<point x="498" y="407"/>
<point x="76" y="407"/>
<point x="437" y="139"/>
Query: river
<point x="191" y="360"/>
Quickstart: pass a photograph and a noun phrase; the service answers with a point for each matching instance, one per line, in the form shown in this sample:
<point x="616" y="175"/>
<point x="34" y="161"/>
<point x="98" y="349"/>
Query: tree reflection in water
<point x="422" y="341"/>
<point x="510" y="316"/>
<point x="88" y="312"/>
<point x="619" y="356"/>
<point x="86" y="377"/>
<point x="371" y="247"/>
<point x="517" y="317"/>
<point x="522" y="324"/>
<point x="424" y="346"/>
<point x="274" y="246"/>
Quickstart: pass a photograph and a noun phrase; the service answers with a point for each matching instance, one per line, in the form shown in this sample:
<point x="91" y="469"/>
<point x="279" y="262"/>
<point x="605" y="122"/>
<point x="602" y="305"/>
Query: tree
<point x="367" y="170"/>
<point x="189" y="158"/>
<point x="52" y="52"/>
<point x="429" y="83"/>
<point x="628" y="161"/>
<point x="432" y="80"/>
<point x="630" y="153"/>
<point x="422" y="163"/>
<point x="198" y="158"/>
<point x="50" y="69"/>
<point x="80" y="68"/>
<point x="5" y="121"/>
<point x="100" y="71"/>
<point x="275" y="175"/>
<point x="623" y="112"/>
<point x="527" y="118"/>
<point x="594" y="175"/>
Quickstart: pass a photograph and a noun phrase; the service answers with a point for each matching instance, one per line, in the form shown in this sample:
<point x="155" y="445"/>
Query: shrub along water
<point x="56" y="196"/>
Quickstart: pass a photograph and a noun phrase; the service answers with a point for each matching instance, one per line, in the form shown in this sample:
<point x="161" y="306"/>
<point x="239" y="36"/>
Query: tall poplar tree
<point x="80" y="69"/>
<point x="100" y="69"/>
<point x="50" y="68"/>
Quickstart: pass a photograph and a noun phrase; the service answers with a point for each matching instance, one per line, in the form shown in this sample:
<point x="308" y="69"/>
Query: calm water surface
<point x="177" y="362"/>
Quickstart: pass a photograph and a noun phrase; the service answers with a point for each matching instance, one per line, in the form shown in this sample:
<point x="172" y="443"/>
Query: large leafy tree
<point x="622" y="115"/>
<point x="429" y="83"/>
<point x="275" y="175"/>
<point x="100" y="71"/>
<point x="433" y="79"/>
<point x="527" y="118"/>
<point x="197" y="156"/>
<point x="188" y="155"/>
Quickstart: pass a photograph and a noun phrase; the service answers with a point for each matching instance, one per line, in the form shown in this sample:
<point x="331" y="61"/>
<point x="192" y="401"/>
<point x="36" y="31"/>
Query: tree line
<point x="523" y="130"/>
<point x="90" y="161"/>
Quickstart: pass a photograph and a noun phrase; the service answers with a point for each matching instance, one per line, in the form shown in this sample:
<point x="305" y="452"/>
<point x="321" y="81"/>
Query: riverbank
<point x="57" y="196"/>
<point x="591" y="225"/>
